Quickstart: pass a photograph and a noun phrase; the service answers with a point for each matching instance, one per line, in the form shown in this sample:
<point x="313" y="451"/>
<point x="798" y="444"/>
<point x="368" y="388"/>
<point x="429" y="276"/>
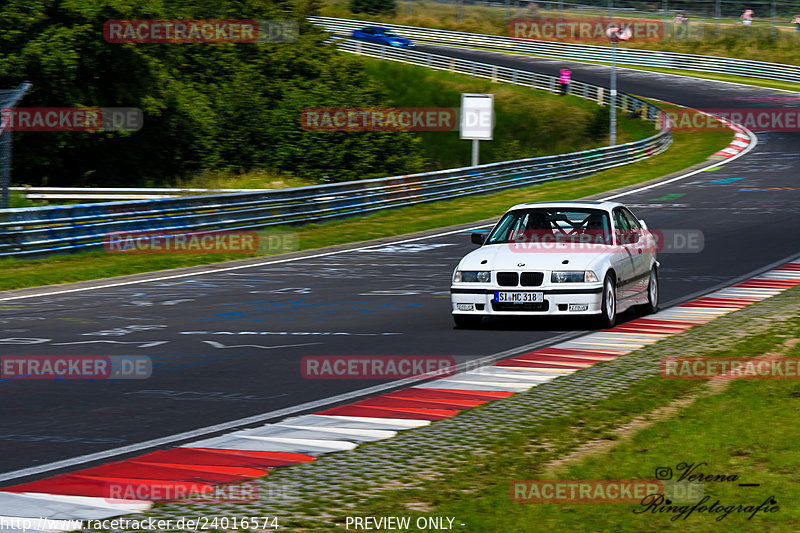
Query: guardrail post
<point x="452" y="65"/>
<point x="600" y="96"/>
<point x="494" y="74"/>
<point x="514" y="76"/>
<point x="358" y="48"/>
<point x="552" y="85"/>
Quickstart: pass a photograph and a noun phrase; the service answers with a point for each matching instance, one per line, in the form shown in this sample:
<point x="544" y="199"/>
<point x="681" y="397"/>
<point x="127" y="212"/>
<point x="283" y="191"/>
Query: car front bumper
<point x="586" y="300"/>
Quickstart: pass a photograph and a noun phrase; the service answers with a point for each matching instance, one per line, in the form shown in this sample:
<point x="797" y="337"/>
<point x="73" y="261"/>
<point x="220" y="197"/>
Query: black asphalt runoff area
<point x="229" y="344"/>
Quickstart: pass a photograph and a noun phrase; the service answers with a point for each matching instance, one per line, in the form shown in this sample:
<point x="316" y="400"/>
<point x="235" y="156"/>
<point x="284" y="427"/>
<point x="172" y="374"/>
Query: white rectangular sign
<point x="477" y="116"/>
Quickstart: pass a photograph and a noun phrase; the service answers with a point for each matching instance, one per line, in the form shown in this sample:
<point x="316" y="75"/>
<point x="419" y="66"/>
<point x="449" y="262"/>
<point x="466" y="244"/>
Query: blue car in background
<point x="378" y="35"/>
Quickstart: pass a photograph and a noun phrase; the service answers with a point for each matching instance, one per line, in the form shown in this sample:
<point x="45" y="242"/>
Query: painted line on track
<point x="242" y="422"/>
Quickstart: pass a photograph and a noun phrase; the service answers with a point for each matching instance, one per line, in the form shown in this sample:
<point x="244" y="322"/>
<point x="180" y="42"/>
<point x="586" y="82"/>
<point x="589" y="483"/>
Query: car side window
<point x="633" y="222"/>
<point x="620" y="225"/>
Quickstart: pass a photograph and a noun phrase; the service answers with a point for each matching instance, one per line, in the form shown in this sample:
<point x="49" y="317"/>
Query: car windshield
<point x="387" y="33"/>
<point x="552" y="224"/>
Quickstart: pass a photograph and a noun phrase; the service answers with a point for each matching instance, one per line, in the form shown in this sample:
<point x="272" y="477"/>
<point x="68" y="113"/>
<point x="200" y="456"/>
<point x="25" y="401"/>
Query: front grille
<point x="504" y="306"/>
<point x="531" y="279"/>
<point x="507" y="279"/>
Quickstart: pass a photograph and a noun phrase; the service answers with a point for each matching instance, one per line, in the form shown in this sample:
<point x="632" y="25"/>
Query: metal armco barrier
<point x="579" y="52"/>
<point x="116" y="193"/>
<point x="29" y="232"/>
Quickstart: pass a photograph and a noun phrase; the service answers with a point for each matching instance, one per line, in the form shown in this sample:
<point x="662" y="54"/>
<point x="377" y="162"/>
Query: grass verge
<point x="528" y="123"/>
<point x="689" y="148"/>
<point x="738" y="428"/>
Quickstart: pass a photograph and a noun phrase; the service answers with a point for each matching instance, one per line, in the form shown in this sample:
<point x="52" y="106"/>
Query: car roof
<point x="588" y="204"/>
<point x="374" y="28"/>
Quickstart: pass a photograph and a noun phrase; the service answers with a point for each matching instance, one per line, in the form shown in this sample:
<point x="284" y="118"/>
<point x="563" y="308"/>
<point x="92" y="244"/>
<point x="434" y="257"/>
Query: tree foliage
<point x="206" y="106"/>
<point x="373" y="7"/>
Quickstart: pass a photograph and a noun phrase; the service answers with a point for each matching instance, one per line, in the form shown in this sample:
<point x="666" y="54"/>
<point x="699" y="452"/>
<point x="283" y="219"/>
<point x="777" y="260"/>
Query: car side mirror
<point x="631" y="237"/>
<point x="478" y="238"/>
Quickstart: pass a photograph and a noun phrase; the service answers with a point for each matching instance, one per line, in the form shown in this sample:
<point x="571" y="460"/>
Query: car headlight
<point x="573" y="276"/>
<point x="472" y="276"/>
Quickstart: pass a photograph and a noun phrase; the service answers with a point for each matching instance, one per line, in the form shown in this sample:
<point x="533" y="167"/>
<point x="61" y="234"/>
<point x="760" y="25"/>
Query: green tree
<point x="206" y="106"/>
<point x="373" y="7"/>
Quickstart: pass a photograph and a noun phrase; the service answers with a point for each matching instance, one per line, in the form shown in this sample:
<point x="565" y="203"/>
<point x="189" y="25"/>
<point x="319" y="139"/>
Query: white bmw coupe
<point x="558" y="258"/>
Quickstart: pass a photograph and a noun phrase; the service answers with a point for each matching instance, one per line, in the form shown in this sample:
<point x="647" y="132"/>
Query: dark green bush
<point x="373" y="7"/>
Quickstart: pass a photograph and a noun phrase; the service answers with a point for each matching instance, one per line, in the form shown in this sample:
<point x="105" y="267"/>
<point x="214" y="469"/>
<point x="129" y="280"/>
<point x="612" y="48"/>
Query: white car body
<point x="629" y="260"/>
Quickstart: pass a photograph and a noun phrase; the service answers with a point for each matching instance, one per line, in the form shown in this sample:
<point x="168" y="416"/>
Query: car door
<point x="622" y="259"/>
<point x="368" y="35"/>
<point x="380" y="37"/>
<point x="641" y="253"/>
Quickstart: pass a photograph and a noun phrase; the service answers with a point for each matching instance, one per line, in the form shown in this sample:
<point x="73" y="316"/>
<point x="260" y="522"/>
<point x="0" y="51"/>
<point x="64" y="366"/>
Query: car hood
<point x="533" y="257"/>
<point x="398" y="40"/>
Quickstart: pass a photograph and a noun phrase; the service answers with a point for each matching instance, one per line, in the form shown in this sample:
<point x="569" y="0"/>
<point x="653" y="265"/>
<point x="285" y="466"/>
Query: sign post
<point x="477" y="120"/>
<point x="8" y="99"/>
<point x="616" y="34"/>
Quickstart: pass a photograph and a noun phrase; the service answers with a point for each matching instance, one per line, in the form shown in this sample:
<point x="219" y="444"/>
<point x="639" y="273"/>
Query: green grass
<point x="17" y="199"/>
<point x="742" y="428"/>
<point x="528" y="123"/>
<point x="688" y="149"/>
<point x="254" y="179"/>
